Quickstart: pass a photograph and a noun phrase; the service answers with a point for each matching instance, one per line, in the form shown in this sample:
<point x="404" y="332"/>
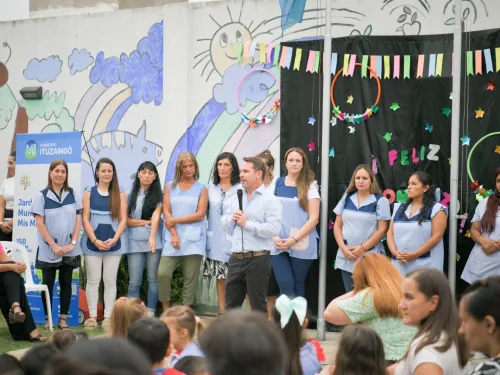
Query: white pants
<point x="108" y="267"/>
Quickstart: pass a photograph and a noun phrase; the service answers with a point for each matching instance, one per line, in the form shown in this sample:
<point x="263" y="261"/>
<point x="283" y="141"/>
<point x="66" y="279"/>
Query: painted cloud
<point x="45" y="70"/>
<point x="79" y="60"/>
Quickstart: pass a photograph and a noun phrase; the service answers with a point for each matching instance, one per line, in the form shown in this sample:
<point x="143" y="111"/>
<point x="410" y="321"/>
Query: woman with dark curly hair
<point x="484" y="259"/>
<point x="225" y="184"/>
<point x="144" y="232"/>
<point x="415" y="236"/>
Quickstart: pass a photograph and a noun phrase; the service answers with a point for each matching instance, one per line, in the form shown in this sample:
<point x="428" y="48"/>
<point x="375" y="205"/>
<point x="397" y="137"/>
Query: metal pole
<point x="325" y="145"/>
<point x="455" y="133"/>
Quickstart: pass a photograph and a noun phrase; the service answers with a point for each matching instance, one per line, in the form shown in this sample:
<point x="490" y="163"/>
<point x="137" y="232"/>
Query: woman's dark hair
<point x="443" y="323"/>
<point x="360" y="352"/>
<point x="114" y="188"/>
<point x="13" y="155"/>
<point x="482" y="299"/>
<point x="429" y="199"/>
<point x="488" y="220"/>
<point x="235" y="175"/>
<point x="268" y="160"/>
<point x="153" y="195"/>
<point x="292" y="333"/>
<point x="191" y="365"/>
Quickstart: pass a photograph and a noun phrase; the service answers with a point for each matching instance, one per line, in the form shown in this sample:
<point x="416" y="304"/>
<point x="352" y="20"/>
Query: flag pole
<point x="325" y="145"/>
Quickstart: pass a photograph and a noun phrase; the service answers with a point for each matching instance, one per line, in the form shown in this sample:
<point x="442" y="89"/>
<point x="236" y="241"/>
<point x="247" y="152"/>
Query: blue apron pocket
<point x="104" y="232"/>
<point x="193" y="234"/>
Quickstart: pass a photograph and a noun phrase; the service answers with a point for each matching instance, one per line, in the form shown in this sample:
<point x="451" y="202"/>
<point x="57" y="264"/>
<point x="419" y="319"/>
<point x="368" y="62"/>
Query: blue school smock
<point x="218" y="241"/>
<point x="294" y="217"/>
<point x="192" y="236"/>
<point x="480" y="266"/>
<point x="138" y="237"/>
<point x="359" y="223"/>
<point x="191" y="350"/>
<point x="409" y="236"/>
<point x="104" y="226"/>
<point x="60" y="219"/>
<point x="309" y="359"/>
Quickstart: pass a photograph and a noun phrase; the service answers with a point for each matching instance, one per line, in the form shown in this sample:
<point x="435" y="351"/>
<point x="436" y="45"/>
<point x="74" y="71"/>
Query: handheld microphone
<point x="239" y="192"/>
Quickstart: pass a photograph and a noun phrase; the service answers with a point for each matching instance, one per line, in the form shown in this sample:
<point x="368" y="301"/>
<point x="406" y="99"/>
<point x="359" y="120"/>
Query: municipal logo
<point x="31" y="150"/>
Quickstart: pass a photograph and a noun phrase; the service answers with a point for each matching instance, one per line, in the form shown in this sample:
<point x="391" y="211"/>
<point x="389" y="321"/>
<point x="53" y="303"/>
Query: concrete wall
<point x="14" y="10"/>
<point x="136" y="80"/>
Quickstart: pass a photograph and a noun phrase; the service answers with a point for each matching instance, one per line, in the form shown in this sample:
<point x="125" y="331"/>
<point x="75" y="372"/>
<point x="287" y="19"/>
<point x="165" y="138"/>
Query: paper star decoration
<point x="479" y="113"/>
<point x="395" y="106"/>
<point x="332" y="152"/>
<point x="490" y="86"/>
<point x="449" y="161"/>
<point x="312" y="120"/>
<point x="311" y="146"/>
<point x="451" y="96"/>
<point x="333" y="121"/>
<point x="446" y="112"/>
<point x="350" y="99"/>
<point x="388" y="136"/>
<point x="465" y="140"/>
<point x="428" y="127"/>
<point x="497" y="150"/>
<point x="330" y="224"/>
<point x="467" y="234"/>
<point x="352" y="129"/>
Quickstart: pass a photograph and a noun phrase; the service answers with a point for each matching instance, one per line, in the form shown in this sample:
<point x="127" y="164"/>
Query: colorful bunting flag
<point x="310" y="62"/>
<point x="284" y="52"/>
<point x="239" y="51"/>
<point x="262" y="50"/>
<point x="345" y="70"/>
<point x="439" y="65"/>
<point x="277" y="50"/>
<point x="253" y="45"/>
<point x="387" y="67"/>
<point x="289" y="54"/>
<point x="364" y="65"/>
<point x="470" y="63"/>
<point x="432" y="65"/>
<point x="352" y="65"/>
<point x="373" y="65"/>
<point x="396" y="66"/>
<point x="487" y="60"/>
<point x="298" y="58"/>
<point x="407" y="66"/>
<point x="269" y="50"/>
<point x="479" y="62"/>
<point x="316" y="61"/>
<point x="333" y="67"/>
<point x="420" y="66"/>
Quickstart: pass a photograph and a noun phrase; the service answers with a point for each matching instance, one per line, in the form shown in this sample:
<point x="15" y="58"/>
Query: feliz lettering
<point x="416" y="156"/>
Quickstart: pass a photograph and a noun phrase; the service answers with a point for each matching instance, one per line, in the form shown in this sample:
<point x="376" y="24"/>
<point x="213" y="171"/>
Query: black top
<point x="489" y="367"/>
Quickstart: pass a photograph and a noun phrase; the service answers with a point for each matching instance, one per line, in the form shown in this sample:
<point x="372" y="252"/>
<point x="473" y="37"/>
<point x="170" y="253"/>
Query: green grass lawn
<point x="8" y="345"/>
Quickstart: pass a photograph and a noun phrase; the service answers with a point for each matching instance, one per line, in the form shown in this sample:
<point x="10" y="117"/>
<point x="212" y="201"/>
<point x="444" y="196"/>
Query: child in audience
<point x="10" y="365"/>
<point x="152" y="336"/>
<point x="191" y="365"/>
<point x="360" y="352"/>
<point x="182" y="324"/>
<point x="62" y="339"/>
<point x="125" y="312"/>
<point x="35" y="361"/>
<point x="480" y="323"/>
<point x="302" y="354"/>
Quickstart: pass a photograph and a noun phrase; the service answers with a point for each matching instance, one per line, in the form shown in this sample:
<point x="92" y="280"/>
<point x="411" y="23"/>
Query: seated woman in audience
<point x="290" y="315"/>
<point x="361" y="352"/>
<point x="125" y="312"/>
<point x="374" y="303"/>
<point x="183" y="325"/>
<point x="13" y="301"/>
<point x="480" y="323"/>
<point x="428" y="304"/>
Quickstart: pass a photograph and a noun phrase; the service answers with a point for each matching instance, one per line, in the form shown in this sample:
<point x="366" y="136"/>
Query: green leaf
<point x="402" y="18"/>
<point x="450" y="21"/>
<point x="407" y="10"/>
<point x="465" y="14"/>
<point x="368" y="30"/>
<point x="414" y="17"/>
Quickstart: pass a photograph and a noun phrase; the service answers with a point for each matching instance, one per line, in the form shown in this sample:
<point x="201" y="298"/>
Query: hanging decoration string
<point x="268" y="117"/>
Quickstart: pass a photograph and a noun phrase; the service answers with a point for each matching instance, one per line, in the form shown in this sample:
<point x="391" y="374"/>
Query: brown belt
<point x="250" y="254"/>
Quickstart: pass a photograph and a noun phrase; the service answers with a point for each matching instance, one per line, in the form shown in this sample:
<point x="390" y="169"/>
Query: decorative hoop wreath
<point x="359" y="117"/>
<point x="268" y="117"/>
<point x="478" y="189"/>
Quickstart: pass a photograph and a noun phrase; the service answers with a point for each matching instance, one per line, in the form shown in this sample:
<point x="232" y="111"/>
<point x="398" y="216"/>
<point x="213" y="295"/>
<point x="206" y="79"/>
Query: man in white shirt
<point x="252" y="229"/>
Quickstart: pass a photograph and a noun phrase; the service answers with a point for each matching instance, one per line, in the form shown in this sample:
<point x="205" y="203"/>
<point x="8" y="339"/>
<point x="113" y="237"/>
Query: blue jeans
<point x="135" y="269"/>
<point x="291" y="274"/>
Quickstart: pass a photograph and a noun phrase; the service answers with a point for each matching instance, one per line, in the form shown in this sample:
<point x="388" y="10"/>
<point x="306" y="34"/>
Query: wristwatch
<point x="73" y="243"/>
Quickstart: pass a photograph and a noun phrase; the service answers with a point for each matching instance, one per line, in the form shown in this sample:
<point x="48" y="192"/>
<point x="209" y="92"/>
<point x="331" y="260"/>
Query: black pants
<point x="65" y="280"/>
<point x="11" y="291"/>
<point x="248" y="276"/>
<point x="8" y="214"/>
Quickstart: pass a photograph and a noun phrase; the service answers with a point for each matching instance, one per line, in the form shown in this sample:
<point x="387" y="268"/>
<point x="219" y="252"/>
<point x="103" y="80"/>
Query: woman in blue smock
<point x="184" y="207"/>
<point x="362" y="220"/>
<point x="226" y="182"/>
<point x="144" y="233"/>
<point x="415" y="236"/>
<point x="297" y="245"/>
<point x="484" y="259"/>
<point x="57" y="210"/>
<point x="104" y="222"/>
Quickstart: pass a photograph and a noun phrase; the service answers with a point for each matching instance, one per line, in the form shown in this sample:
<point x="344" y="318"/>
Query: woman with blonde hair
<point x="362" y="221"/>
<point x="184" y="207"/>
<point x="297" y="245"/>
<point x="125" y="312"/>
<point x="375" y="303"/>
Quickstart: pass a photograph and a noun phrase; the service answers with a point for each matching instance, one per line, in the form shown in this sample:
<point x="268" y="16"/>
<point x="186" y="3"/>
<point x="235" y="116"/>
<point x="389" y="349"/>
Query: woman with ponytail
<point x="415" y="236"/>
<point x="484" y="259"/>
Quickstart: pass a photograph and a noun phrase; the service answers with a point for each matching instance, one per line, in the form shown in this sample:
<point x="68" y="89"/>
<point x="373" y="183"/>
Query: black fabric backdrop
<point x="421" y="101"/>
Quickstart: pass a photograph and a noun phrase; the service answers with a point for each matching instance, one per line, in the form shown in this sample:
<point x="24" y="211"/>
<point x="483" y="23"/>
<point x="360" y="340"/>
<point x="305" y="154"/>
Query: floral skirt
<point x="215" y="268"/>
